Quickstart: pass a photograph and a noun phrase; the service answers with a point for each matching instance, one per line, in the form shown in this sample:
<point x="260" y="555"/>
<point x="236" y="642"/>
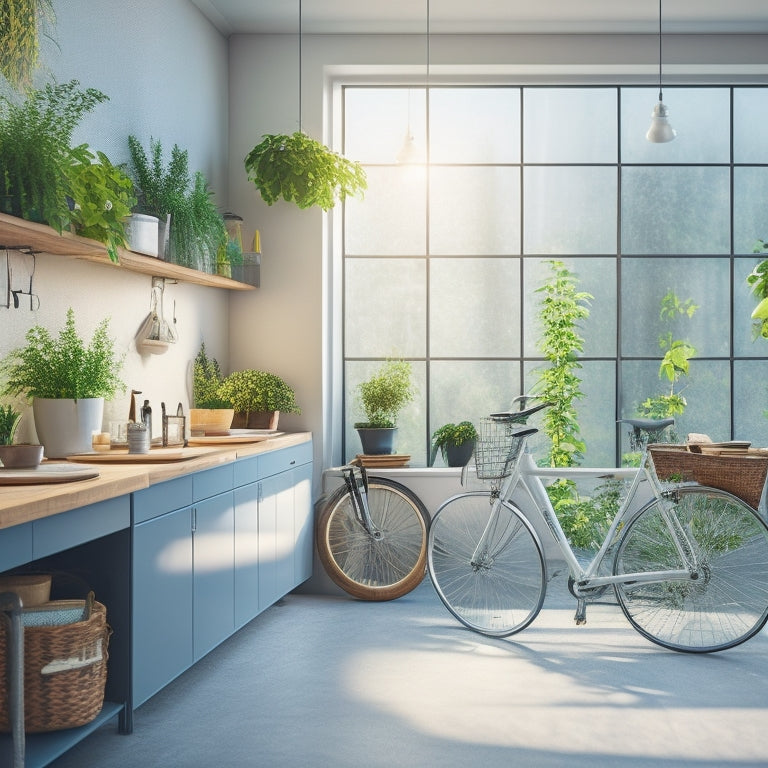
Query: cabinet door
<point x="214" y="564"/>
<point x="246" y="553"/>
<point x="303" y="524"/>
<point x="162" y="602"/>
<point x="276" y="538"/>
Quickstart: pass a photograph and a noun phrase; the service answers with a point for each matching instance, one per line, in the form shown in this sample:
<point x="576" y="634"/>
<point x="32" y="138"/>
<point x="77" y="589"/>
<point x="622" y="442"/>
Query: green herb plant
<point x="21" y="22"/>
<point x="385" y="394"/>
<point x="303" y="171"/>
<point x="35" y="151"/>
<point x="102" y="196"/>
<point x="563" y="307"/>
<point x="252" y="391"/>
<point x="452" y="434"/>
<point x="64" y="366"/>
<point x="9" y="423"/>
<point x="206" y="381"/>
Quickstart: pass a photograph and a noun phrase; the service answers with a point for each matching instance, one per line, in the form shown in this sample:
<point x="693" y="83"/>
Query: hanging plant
<point x="20" y="22"/>
<point x="758" y="283"/>
<point x="302" y="171"/>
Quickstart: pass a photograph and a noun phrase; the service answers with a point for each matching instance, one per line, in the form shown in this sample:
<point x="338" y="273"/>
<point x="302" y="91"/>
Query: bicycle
<point x="687" y="562"/>
<point x="371" y="536"/>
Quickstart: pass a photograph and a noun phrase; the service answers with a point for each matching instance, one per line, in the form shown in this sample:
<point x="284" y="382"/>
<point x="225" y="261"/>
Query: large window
<point x="443" y="258"/>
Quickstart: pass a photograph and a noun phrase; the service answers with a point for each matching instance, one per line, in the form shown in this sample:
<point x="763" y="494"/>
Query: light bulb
<point x="660" y="131"/>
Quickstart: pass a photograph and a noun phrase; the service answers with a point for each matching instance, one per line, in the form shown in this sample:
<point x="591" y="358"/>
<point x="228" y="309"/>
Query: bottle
<point x="146" y="417"/>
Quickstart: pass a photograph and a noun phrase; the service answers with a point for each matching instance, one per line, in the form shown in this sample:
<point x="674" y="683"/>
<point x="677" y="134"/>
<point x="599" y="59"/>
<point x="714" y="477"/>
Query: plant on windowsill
<point x="67" y="381"/>
<point x="302" y="171"/>
<point x="210" y="412"/>
<point x="456" y="443"/>
<point x="382" y="396"/>
<point x="258" y="397"/>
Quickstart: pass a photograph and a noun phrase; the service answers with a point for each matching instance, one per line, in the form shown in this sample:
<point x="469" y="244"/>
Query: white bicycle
<point x="688" y="563"/>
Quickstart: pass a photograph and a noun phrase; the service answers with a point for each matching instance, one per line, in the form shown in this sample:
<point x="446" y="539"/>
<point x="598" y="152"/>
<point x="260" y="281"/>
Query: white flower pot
<point x="66" y="426"/>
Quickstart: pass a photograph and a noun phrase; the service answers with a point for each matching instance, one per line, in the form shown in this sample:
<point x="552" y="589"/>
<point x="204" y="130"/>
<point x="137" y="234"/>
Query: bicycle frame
<point x="356" y="479"/>
<point x="527" y="477"/>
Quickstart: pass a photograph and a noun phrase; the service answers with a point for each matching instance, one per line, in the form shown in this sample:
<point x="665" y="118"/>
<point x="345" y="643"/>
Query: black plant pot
<point x="377" y="440"/>
<point x="458" y="455"/>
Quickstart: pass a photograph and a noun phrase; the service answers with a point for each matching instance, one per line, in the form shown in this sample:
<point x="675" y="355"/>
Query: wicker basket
<point x="743" y="475"/>
<point x="65" y="671"/>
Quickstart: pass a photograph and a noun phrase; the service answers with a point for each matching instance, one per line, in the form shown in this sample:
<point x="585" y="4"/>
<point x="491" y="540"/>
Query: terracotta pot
<point x="256" y="420"/>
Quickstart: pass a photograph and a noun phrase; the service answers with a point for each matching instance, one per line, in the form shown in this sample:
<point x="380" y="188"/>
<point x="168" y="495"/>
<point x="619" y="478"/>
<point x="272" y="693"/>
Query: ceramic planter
<point x="20" y="456"/>
<point x="458" y="455"/>
<point x="66" y="426"/>
<point x="377" y="440"/>
<point x="256" y="420"/>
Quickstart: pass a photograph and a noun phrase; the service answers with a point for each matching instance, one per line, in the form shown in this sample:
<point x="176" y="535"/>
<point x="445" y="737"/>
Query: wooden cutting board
<point x="121" y="456"/>
<point x="47" y="474"/>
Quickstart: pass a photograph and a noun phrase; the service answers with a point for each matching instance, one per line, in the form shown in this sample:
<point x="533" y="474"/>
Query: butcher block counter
<point x="24" y="503"/>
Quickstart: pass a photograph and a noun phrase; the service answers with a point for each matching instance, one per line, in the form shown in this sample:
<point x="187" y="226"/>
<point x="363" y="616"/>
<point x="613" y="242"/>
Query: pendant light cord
<point x="300" y="66"/>
<point x="661" y="98"/>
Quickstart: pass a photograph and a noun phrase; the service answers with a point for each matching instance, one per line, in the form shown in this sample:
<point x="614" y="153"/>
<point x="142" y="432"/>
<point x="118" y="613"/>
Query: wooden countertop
<point x="23" y="503"/>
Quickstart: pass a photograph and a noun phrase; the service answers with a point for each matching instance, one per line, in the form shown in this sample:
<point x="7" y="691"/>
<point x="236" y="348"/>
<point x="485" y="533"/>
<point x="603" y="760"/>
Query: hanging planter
<point x="300" y="170"/>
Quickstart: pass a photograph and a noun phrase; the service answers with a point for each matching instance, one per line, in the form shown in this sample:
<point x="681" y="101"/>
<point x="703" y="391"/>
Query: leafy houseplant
<point x="20" y="25"/>
<point x="210" y="411"/>
<point x="303" y="171"/>
<point x="15" y="456"/>
<point x="64" y="370"/>
<point x="102" y="196"/>
<point x="35" y="137"/>
<point x="758" y="282"/>
<point x="197" y="228"/>
<point x="9" y="422"/>
<point x="382" y="397"/>
<point x="252" y="392"/>
<point x="456" y="442"/>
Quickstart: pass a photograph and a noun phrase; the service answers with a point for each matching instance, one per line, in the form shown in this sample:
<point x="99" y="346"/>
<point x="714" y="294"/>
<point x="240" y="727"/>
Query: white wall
<point x="165" y="70"/>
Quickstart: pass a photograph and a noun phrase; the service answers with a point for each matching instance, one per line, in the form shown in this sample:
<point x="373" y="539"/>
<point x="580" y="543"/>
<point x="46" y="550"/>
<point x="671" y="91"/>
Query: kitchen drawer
<point x="211" y="482"/>
<point x="275" y="462"/>
<point x="161" y="498"/>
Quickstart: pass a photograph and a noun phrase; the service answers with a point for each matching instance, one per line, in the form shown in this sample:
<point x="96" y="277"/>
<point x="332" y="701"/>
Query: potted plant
<point x="35" y="137"/>
<point x="258" y="398"/>
<point x="758" y="283"/>
<point x="302" y="171"/>
<point x="196" y="228"/>
<point x="15" y="456"/>
<point x="456" y="442"/>
<point x="382" y="397"/>
<point x="67" y="382"/>
<point x="210" y="412"/>
<point x="20" y="39"/>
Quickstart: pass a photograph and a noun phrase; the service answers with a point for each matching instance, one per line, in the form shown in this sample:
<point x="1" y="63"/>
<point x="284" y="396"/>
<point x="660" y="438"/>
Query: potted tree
<point x="456" y="443"/>
<point x="67" y="382"/>
<point x="382" y="397"/>
<point x="258" y="397"/>
<point x="302" y="171"/>
<point x="210" y="412"/>
<point x="15" y="456"/>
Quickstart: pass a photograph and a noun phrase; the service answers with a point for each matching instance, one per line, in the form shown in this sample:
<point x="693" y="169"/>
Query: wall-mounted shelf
<point x="16" y="233"/>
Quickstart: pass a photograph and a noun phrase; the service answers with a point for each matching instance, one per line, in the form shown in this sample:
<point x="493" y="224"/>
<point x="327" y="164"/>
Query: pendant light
<point x="660" y="131"/>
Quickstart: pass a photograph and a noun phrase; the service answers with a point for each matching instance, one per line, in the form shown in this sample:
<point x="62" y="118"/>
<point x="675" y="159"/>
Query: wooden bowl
<point x="204" y="421"/>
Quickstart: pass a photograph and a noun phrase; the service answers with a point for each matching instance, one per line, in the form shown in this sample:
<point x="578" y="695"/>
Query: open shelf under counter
<point x="16" y="233"/>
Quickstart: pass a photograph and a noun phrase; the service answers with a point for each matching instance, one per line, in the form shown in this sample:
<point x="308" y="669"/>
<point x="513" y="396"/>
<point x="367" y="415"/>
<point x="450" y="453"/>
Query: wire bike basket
<point x="743" y="475"/>
<point x="498" y="448"/>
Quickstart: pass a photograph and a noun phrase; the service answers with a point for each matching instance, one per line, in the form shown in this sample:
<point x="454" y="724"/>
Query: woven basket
<point x="742" y="475"/>
<point x="65" y="671"/>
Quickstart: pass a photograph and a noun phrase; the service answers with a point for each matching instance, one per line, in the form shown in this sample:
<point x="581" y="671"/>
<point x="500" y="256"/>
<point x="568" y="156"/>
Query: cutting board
<point x="47" y="474"/>
<point x="234" y="436"/>
<point x="121" y="456"/>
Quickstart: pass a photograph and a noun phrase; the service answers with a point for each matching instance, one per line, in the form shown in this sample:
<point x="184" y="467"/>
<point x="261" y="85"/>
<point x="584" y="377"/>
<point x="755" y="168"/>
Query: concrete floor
<point x="329" y="682"/>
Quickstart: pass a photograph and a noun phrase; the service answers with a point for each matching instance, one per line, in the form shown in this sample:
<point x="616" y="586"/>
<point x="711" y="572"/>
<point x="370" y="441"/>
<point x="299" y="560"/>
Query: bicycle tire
<point x="371" y="568"/>
<point x="501" y="594"/>
<point x="728" y="603"/>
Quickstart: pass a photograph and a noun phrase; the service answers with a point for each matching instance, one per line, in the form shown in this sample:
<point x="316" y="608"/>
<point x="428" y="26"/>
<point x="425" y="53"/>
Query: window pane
<point x="701" y="117"/>
<point x="385" y="308"/>
<point x="474" y="210"/>
<point x="378" y="120"/>
<point x="391" y="219"/>
<point x="750" y="212"/>
<point x="570" y="210"/>
<point x="675" y="210"/>
<point x="570" y="125"/>
<point x="596" y="277"/>
<point x="646" y="282"/>
<point x="471" y="312"/>
<point x="750" y="114"/>
<point x="474" y="125"/>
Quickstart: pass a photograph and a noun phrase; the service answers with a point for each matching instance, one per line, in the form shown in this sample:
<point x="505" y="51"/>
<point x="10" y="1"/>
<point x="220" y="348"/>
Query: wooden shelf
<point x="16" y="233"/>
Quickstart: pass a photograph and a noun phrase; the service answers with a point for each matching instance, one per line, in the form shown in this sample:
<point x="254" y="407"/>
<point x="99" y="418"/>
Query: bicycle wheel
<point x="382" y="568"/>
<point x="500" y="590"/>
<point x="728" y="603"/>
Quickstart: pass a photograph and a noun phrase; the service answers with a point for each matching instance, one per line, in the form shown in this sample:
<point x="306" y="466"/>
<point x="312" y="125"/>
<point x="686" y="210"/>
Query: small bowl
<point x="21" y="456"/>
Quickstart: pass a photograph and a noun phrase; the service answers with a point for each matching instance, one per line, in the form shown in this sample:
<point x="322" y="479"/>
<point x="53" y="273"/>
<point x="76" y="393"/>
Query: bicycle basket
<point x="497" y="448"/>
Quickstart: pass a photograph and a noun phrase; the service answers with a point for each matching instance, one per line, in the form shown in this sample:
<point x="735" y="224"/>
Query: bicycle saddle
<point x="519" y="417"/>
<point x="649" y="425"/>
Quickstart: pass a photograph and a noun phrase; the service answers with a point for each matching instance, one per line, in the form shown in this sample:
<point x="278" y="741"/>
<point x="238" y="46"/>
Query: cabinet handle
<point x="194" y="519"/>
<point x="259" y="496"/>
